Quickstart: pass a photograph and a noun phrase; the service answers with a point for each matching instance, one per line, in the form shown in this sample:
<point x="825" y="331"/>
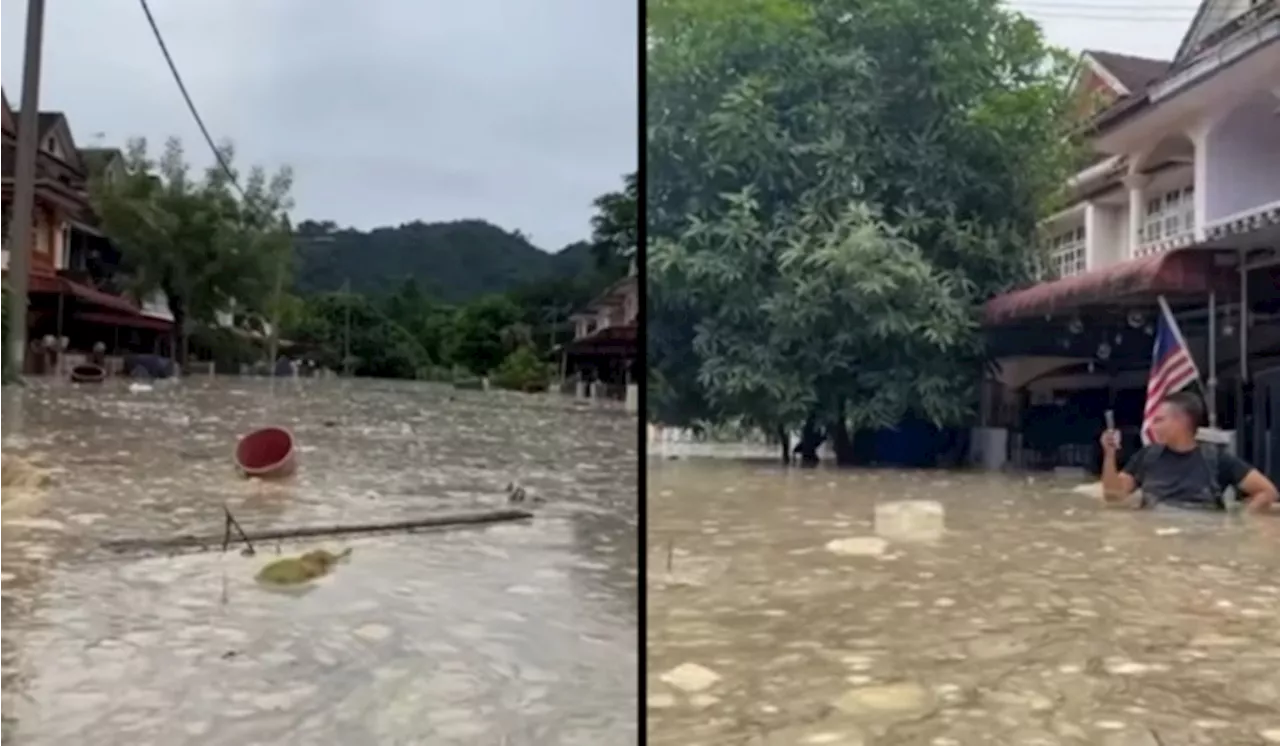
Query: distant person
<point x="811" y="439"/>
<point x="1177" y="470"/>
<point x="99" y="355"/>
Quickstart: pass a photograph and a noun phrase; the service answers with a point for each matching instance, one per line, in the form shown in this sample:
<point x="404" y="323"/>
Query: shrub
<point x="524" y="371"/>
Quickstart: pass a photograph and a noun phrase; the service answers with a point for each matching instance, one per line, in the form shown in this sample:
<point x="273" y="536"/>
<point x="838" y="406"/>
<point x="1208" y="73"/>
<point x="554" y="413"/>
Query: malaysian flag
<point x="1172" y="367"/>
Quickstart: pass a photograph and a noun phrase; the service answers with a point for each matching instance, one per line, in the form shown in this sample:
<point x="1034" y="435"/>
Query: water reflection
<point x="522" y="632"/>
<point x="1028" y="615"/>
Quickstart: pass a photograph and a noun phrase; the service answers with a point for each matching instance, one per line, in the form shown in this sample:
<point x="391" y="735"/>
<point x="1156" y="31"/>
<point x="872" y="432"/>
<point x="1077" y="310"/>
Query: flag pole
<point x="1213" y="361"/>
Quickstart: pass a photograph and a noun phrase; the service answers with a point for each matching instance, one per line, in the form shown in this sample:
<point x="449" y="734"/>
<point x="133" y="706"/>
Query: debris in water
<point x="911" y="520"/>
<point x="691" y="678"/>
<point x="299" y="570"/>
<point x="518" y="495"/>
<point x="37" y="524"/>
<point x="19" y="473"/>
<point x="374" y="632"/>
<point x="859" y="546"/>
<point x="892" y="698"/>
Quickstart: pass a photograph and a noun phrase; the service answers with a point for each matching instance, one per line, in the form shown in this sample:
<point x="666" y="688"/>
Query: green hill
<point x="454" y="262"/>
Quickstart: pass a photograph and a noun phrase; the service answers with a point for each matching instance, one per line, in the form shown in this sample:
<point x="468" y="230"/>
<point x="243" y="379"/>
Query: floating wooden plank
<point x="215" y="541"/>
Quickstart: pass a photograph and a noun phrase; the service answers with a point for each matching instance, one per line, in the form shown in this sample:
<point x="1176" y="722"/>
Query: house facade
<point x="73" y="287"/>
<point x="604" y="355"/>
<point x="1180" y="199"/>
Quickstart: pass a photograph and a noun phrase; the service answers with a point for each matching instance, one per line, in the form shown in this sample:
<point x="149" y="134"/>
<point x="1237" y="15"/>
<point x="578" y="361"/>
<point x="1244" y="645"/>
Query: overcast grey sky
<point x="390" y="111"/>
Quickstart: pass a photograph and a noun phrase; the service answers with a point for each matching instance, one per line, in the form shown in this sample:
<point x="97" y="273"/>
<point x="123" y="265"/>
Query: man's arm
<point x="1258" y="493"/>
<point x="1118" y="485"/>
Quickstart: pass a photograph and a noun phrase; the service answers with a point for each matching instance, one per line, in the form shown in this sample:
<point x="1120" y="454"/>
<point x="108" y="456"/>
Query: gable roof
<point x="1133" y="74"/>
<point x="54" y="123"/>
<point x="1213" y="17"/>
<point x="10" y="124"/>
<point x="96" y="160"/>
<point x="1208" y="12"/>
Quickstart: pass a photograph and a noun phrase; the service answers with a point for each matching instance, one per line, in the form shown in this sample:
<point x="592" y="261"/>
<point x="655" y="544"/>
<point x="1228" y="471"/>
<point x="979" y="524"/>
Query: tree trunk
<point x="784" y="438"/>
<point x="841" y="439"/>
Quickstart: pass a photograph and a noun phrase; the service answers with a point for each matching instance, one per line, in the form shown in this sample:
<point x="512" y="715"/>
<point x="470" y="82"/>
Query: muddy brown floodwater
<point x="519" y="634"/>
<point x="805" y="607"/>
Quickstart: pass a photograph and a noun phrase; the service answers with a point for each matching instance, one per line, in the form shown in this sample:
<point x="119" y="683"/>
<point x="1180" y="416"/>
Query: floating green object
<point x="300" y="570"/>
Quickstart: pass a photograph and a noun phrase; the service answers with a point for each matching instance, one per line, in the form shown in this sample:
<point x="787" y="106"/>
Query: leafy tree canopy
<point x="207" y="245"/>
<point x="834" y="187"/>
<point x="616" y="227"/>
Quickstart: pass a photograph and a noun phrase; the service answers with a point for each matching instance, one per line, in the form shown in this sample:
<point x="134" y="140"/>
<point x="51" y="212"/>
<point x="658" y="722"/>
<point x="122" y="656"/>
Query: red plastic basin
<point x="268" y="453"/>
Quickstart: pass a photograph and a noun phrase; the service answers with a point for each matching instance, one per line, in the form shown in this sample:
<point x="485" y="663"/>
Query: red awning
<point x="612" y="340"/>
<point x="40" y="283"/>
<point x="97" y="297"/>
<point x="132" y="321"/>
<point x="1172" y="273"/>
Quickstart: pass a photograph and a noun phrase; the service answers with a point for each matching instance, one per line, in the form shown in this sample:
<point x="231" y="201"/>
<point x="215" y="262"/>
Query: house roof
<point x="45" y="120"/>
<point x="51" y="122"/>
<point x="97" y="159"/>
<point x="615" y="295"/>
<point x="1134" y="73"/>
<point x="10" y="124"/>
<point x="48" y="120"/>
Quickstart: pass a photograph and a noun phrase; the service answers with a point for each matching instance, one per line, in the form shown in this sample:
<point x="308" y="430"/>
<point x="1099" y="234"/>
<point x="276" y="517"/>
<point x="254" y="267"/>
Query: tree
<point x="616" y="228"/>
<point x="523" y="370"/>
<point x="834" y="187"/>
<point x="206" y="245"/>
<point x="380" y="347"/>
<point x="477" y="340"/>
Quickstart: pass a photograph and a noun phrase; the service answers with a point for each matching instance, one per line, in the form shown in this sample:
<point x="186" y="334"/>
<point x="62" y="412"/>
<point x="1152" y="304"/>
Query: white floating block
<point x="859" y="546"/>
<point x="911" y="520"/>
<point x="691" y="678"/>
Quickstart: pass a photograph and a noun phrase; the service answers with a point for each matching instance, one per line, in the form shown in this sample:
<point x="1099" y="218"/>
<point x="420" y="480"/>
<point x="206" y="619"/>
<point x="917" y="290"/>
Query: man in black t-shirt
<point x="1177" y="470"/>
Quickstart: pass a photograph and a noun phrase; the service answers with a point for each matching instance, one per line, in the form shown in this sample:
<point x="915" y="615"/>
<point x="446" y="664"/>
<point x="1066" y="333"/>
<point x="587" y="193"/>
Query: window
<point x="1067" y="253"/>
<point x="1169" y="215"/>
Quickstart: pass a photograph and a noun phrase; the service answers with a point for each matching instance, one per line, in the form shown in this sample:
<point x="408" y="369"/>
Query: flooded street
<point x="801" y="607"/>
<point x="518" y="633"/>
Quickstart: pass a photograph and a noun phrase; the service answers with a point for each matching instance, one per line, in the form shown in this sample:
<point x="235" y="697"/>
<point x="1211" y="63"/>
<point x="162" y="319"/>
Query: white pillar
<point x="1137" y="186"/>
<point x="1198" y="134"/>
<point x="1092" y="237"/>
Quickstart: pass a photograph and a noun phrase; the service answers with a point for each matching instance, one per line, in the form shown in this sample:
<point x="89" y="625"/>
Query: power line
<point x="1190" y="10"/>
<point x="1034" y="14"/>
<point x="222" y="163"/>
<point x="186" y="95"/>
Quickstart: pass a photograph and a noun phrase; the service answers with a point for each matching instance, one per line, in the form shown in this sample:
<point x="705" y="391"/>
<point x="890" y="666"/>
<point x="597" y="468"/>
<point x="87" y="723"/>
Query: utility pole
<point x="24" y="191"/>
<point x="277" y="299"/>
<point x="346" y="337"/>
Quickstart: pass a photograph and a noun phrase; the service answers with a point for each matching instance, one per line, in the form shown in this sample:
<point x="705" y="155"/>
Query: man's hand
<point x="1116" y="485"/>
